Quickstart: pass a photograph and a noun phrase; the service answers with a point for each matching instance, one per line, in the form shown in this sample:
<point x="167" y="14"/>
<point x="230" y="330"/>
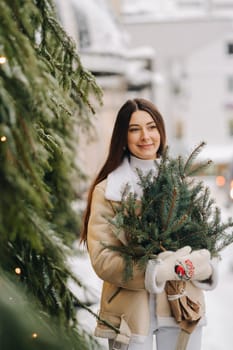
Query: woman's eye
<point x="133" y="129"/>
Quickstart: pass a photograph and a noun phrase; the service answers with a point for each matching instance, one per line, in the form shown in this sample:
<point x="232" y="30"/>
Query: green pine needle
<point x="175" y="210"/>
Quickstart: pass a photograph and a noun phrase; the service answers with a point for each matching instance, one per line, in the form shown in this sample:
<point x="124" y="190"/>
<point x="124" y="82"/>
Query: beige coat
<point x="124" y="304"/>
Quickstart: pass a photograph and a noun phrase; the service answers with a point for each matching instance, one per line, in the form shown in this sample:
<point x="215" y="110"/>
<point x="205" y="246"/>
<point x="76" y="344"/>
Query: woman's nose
<point x="145" y="134"/>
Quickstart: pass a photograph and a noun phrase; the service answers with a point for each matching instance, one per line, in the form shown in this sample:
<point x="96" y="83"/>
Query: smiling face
<point x="143" y="136"/>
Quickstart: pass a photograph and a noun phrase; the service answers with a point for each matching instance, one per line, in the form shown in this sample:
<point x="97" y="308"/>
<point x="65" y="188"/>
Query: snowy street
<point x="218" y="335"/>
<point x="219" y="331"/>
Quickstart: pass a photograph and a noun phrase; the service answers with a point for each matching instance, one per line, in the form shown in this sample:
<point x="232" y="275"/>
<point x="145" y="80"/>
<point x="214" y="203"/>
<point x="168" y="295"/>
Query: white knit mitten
<point x="195" y="266"/>
<point x="162" y="269"/>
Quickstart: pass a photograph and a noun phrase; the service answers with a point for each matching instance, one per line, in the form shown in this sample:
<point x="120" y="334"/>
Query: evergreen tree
<point x="175" y="210"/>
<point x="24" y="328"/>
<point x="44" y="96"/>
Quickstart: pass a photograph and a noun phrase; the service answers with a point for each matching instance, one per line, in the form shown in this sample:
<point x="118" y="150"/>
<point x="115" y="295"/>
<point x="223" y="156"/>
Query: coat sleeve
<point x="109" y="265"/>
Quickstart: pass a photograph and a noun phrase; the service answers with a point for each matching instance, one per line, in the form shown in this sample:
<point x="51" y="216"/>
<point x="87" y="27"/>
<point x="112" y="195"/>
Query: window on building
<point x="230" y="48"/>
<point x="230" y="84"/>
<point x="189" y="3"/>
<point x="230" y="126"/>
<point x="84" y="33"/>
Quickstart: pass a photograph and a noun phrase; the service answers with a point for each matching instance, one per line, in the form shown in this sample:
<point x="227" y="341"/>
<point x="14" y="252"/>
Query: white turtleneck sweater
<point x="127" y="174"/>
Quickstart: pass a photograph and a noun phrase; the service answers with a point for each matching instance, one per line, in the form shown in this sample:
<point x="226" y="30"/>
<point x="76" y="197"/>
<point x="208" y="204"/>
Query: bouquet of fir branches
<point x="175" y="210"/>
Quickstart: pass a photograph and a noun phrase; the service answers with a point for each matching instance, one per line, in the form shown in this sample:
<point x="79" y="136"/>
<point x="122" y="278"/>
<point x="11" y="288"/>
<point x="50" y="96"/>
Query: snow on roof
<point x="102" y="42"/>
<point x="138" y="67"/>
<point x="105" y="35"/>
<point x="143" y="52"/>
<point x="132" y="7"/>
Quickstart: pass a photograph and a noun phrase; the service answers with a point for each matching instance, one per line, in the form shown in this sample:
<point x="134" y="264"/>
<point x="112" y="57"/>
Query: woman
<point x="138" y="307"/>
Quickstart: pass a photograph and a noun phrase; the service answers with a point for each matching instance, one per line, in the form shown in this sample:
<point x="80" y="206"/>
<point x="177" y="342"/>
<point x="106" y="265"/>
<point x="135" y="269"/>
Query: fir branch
<point x="189" y="162"/>
<point x="174" y="211"/>
<point x="178" y="224"/>
<point x="196" y="169"/>
<point x="41" y="106"/>
<point x="171" y="207"/>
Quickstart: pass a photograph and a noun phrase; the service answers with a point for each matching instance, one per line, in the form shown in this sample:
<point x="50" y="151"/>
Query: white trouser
<point x="165" y="339"/>
<point x="147" y="345"/>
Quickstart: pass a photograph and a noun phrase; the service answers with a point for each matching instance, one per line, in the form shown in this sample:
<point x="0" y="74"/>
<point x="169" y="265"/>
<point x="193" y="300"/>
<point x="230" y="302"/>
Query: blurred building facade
<point x="177" y="53"/>
<point x="103" y="47"/>
<point x="193" y="42"/>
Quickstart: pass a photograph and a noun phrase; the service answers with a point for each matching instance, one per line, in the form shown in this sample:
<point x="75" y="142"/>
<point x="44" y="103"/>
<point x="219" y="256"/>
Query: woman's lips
<point x="145" y="146"/>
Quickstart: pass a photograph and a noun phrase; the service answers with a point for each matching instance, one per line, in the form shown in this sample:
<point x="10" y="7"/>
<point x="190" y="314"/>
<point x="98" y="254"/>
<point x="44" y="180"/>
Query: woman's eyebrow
<point x="152" y="122"/>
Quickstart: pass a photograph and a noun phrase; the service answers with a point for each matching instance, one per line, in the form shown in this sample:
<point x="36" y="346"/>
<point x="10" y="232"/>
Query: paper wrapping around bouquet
<point x="185" y="311"/>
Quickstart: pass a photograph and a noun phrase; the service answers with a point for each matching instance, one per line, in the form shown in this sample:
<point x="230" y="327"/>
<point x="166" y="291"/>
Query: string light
<point x="34" y="335"/>
<point x="220" y="180"/>
<point x="18" y="270"/>
<point x="3" y="138"/>
<point x="2" y="59"/>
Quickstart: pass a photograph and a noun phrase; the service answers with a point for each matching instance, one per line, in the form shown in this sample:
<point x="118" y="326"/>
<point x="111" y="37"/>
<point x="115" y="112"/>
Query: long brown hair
<point x="118" y="146"/>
